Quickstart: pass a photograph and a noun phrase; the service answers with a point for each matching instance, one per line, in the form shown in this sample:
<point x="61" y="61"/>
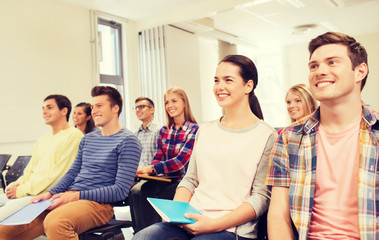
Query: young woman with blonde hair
<point x="175" y="144"/>
<point x="300" y="102"/>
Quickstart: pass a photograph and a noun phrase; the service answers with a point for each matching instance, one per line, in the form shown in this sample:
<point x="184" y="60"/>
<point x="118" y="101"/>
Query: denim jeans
<point x="169" y="231"/>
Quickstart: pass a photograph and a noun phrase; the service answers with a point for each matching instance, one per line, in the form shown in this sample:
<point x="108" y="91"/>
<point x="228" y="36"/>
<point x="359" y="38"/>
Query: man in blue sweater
<point x="102" y="173"/>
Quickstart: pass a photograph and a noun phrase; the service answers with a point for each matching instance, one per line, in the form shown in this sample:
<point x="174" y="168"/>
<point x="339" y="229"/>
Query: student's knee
<point x="55" y="225"/>
<point x="5" y="233"/>
<point x="150" y="232"/>
<point x="161" y="231"/>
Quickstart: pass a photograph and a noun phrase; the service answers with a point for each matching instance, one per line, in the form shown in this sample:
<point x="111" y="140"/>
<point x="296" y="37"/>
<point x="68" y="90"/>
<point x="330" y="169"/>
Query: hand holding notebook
<point x="173" y="211"/>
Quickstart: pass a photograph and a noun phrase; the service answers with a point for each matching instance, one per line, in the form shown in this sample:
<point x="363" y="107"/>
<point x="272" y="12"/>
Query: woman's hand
<point x="202" y="225"/>
<point x="145" y="170"/>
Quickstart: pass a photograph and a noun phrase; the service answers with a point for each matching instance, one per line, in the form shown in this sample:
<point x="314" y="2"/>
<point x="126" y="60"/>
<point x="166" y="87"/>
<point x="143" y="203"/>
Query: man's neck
<point x="339" y="117"/>
<point x="145" y="123"/>
<point x="111" y="128"/>
<point x="62" y="125"/>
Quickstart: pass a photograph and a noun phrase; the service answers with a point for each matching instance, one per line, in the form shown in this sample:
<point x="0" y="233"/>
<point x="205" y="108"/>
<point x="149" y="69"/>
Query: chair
<point x="4" y="158"/>
<point x="111" y="230"/>
<point x="262" y="228"/>
<point x="17" y="169"/>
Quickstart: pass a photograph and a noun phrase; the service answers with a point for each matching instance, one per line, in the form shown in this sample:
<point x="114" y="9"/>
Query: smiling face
<point x="51" y="112"/>
<point x="102" y="111"/>
<point x="295" y="106"/>
<point x="144" y="111"/>
<point x="174" y="105"/>
<point x="229" y="88"/>
<point x="80" y="117"/>
<point x="331" y="76"/>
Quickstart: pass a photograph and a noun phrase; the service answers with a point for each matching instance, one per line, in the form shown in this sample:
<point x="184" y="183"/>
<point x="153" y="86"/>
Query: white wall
<point x="370" y="91"/>
<point x="296" y="59"/>
<point x="208" y="60"/>
<point x="183" y="69"/>
<point x="46" y="49"/>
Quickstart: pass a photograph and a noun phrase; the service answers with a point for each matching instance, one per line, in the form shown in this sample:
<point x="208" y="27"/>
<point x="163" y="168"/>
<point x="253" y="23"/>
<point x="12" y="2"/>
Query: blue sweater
<point x="104" y="168"/>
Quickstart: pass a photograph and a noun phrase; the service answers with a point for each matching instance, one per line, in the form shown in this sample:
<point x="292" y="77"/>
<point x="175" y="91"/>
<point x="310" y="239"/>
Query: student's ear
<point x="249" y="86"/>
<point x="361" y="72"/>
<point x="152" y="110"/>
<point x="64" y="111"/>
<point x="115" y="108"/>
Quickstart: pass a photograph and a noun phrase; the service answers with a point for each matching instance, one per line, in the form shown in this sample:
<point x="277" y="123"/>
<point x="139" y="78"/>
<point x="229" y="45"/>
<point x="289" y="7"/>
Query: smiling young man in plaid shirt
<point x="324" y="168"/>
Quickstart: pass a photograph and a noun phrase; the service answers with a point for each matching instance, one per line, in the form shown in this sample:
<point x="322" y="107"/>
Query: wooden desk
<point x="157" y="178"/>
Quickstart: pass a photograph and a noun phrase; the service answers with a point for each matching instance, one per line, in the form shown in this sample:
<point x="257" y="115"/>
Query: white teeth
<point x="222" y="95"/>
<point x="324" y="84"/>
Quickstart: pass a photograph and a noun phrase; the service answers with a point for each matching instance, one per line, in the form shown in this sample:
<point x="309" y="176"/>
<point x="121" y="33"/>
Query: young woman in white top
<point x="227" y="170"/>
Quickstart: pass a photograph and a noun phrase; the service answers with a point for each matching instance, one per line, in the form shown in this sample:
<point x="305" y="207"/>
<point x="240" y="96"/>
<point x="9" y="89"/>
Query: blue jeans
<point x="169" y="231"/>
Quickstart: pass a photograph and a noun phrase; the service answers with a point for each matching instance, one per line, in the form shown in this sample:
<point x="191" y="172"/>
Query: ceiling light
<point x="304" y="29"/>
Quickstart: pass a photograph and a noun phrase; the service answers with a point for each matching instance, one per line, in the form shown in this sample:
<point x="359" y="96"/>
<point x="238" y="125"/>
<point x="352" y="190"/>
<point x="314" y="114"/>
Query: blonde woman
<point x="175" y="144"/>
<point x="300" y="102"/>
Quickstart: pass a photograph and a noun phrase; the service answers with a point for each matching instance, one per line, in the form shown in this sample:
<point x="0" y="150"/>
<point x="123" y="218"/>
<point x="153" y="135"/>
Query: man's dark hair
<point x="147" y="99"/>
<point x="112" y="93"/>
<point x="62" y="102"/>
<point x="357" y="53"/>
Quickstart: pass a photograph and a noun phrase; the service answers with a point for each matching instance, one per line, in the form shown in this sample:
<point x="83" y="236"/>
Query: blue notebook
<point x="173" y="211"/>
<point x="27" y="214"/>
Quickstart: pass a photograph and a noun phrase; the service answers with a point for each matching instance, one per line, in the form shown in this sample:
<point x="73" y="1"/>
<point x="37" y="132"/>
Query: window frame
<point x="113" y="79"/>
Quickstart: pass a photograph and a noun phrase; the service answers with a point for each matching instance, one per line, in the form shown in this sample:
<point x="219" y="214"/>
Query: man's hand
<point x="63" y="198"/>
<point x="41" y="197"/>
<point x="11" y="191"/>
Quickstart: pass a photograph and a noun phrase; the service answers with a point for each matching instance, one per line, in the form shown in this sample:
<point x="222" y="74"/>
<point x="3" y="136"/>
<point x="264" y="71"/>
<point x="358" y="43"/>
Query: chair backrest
<point x="17" y="169"/>
<point x="262" y="227"/>
<point x="4" y="158"/>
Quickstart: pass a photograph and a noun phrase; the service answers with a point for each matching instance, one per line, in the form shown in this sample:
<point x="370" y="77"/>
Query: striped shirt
<point x="104" y="168"/>
<point x="174" y="149"/>
<point x="293" y="164"/>
<point x="148" y="138"/>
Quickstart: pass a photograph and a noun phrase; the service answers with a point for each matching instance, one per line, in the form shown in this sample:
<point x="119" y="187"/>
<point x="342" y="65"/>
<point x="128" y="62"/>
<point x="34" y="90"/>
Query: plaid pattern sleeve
<point x="174" y="149"/>
<point x="278" y="170"/>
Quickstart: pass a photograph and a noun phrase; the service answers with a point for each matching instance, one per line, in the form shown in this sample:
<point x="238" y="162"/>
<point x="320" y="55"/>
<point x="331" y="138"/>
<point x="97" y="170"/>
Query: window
<point x="110" y="58"/>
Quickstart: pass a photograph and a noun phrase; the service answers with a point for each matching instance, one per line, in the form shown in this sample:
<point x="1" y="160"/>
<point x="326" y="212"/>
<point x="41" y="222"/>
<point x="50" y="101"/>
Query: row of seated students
<point x="230" y="168"/>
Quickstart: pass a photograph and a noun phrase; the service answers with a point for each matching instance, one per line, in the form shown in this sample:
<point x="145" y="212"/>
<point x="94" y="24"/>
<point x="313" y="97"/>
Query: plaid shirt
<point x="174" y="149"/>
<point x="293" y="164"/>
<point x="148" y="138"/>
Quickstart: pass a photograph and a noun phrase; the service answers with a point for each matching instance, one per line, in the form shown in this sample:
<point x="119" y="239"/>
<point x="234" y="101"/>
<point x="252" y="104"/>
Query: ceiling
<point x="257" y="22"/>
